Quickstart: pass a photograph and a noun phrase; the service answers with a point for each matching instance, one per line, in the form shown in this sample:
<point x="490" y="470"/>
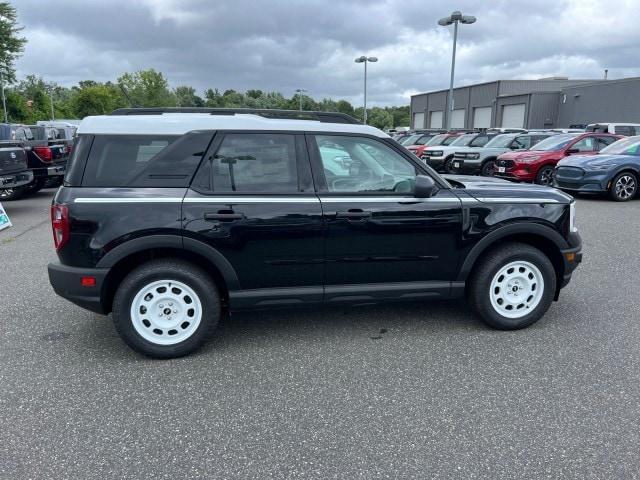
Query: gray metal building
<point x="544" y="103"/>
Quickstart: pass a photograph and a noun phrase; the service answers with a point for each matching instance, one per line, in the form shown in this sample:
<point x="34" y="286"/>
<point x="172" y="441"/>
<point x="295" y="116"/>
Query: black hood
<point x="496" y="188"/>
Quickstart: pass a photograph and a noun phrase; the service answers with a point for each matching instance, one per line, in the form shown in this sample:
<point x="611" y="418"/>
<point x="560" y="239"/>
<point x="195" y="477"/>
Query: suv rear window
<point x="144" y="160"/>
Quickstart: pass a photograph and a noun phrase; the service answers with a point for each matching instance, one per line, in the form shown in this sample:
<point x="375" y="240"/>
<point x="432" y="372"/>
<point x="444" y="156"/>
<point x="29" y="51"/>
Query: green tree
<point x="147" y="88"/>
<point x="379" y="118"/>
<point x="187" y="97"/>
<point x="96" y="99"/>
<point x="11" y="44"/>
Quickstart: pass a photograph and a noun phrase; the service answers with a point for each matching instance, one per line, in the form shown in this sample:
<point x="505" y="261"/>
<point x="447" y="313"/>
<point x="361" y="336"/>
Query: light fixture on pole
<point x="455" y="18"/>
<point x="365" y="60"/>
<point x="300" y="91"/>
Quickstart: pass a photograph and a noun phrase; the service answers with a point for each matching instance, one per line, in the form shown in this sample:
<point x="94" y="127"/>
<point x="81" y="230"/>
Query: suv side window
<point x="363" y="165"/>
<point x="252" y="162"/>
<point x="604" y="142"/>
<point x="521" y="143"/>
<point x="144" y="160"/>
<point x="587" y="144"/>
<point x="625" y="130"/>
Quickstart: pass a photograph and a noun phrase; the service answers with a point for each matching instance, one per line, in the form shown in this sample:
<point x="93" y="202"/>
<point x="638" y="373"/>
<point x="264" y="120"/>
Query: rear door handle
<point x="353" y="214"/>
<point x="224" y="217"/>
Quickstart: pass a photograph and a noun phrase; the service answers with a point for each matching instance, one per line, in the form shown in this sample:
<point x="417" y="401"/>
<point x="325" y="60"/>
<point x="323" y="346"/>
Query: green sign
<point x="4" y="219"/>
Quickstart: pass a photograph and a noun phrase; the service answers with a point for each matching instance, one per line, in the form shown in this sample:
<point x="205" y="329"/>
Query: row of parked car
<point x="33" y="157"/>
<point x="597" y="159"/>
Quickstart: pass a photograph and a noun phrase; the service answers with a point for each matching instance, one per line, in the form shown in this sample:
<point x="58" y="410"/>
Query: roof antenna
<point x="124" y="91"/>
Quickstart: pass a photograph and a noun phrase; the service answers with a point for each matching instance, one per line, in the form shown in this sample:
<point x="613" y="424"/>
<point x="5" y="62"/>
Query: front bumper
<point x="67" y="282"/>
<point x="465" y="166"/>
<point x="587" y="185"/>
<point x="571" y="257"/>
<point x="14" y="180"/>
<point x="434" y="162"/>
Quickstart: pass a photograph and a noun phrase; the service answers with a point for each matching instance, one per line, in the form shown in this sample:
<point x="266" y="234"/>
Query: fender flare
<point x="505" y="231"/>
<point x="173" y="241"/>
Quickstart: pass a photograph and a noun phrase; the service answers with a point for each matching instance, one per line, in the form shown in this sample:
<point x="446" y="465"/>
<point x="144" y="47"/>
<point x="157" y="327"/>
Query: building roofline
<point x="603" y="82"/>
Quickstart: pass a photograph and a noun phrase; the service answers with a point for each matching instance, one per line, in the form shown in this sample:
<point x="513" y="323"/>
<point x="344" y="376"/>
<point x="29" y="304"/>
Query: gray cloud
<point x="278" y="45"/>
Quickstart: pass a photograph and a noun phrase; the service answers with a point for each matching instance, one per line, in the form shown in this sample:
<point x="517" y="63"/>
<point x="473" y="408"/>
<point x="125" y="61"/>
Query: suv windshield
<point x="501" y="141"/>
<point x="626" y="146"/>
<point x="557" y="142"/>
<point x="409" y="140"/>
<point x="462" y="140"/>
<point x="437" y="140"/>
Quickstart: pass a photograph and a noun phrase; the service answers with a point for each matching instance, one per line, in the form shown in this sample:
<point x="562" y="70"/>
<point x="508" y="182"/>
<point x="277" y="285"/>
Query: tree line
<point x="31" y="99"/>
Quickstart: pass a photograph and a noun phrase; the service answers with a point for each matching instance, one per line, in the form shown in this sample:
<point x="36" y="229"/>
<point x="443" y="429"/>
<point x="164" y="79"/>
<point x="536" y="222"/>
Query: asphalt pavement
<point x="419" y="390"/>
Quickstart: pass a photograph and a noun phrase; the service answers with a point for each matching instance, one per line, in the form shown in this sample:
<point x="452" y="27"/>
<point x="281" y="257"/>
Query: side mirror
<point x="424" y="187"/>
<point x="572" y="150"/>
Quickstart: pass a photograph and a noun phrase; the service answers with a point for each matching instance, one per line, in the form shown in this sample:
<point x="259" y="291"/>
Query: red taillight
<point x="44" y="153"/>
<point x="60" y="225"/>
<point x="88" y="281"/>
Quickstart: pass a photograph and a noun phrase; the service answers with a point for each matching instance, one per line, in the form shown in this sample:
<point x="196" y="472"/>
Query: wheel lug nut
<point x="161" y="305"/>
<point x="175" y="310"/>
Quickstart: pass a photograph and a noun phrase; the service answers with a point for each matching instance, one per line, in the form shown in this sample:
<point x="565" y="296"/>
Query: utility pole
<point x="4" y="100"/>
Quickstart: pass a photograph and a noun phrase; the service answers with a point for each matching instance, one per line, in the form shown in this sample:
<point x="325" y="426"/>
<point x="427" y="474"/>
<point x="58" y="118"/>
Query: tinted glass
<point x="625" y="146"/>
<point x="587" y="144"/>
<point x="410" y="140"/>
<point x="255" y="162"/>
<point x="436" y="140"/>
<point x="521" y="143"/>
<point x="480" y="141"/>
<point x="555" y="142"/>
<point x="449" y="140"/>
<point x="372" y="166"/>
<point x="500" y="141"/>
<point x="462" y="140"/>
<point x="144" y="160"/>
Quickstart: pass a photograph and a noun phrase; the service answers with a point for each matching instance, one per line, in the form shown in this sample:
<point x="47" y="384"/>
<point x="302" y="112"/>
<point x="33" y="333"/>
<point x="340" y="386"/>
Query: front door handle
<point x="224" y="216"/>
<point x="354" y="213"/>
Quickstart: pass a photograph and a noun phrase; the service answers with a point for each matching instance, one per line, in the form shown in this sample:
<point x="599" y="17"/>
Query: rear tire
<point x="624" y="187"/>
<point x="545" y="176"/>
<point x="166" y="308"/>
<point x="512" y="286"/>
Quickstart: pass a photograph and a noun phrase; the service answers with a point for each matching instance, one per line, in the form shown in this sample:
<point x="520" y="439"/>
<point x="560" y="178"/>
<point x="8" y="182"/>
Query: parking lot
<point x="418" y="390"/>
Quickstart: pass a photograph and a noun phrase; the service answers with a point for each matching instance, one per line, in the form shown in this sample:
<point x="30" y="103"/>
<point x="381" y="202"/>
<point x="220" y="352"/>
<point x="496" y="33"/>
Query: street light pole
<point x="53" y="115"/>
<point x="300" y="91"/>
<point x="455" y="18"/>
<point x="4" y="100"/>
<point x="365" y="60"/>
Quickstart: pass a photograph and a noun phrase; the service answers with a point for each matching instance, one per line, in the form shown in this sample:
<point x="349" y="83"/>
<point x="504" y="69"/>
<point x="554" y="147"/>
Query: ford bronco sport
<point x="167" y="217"/>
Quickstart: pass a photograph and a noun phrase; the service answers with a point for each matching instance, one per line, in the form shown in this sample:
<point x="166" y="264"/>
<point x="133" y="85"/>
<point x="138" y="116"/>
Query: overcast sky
<point x="311" y="44"/>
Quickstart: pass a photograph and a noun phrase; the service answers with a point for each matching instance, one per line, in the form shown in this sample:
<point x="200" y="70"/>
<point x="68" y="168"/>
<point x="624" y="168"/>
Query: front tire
<point x="512" y="286"/>
<point x="624" y="187"/>
<point x="488" y="168"/>
<point x="166" y="308"/>
<point x="545" y="176"/>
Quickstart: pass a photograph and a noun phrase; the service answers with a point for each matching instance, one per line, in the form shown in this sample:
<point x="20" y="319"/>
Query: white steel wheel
<point x="516" y="289"/>
<point x="166" y="312"/>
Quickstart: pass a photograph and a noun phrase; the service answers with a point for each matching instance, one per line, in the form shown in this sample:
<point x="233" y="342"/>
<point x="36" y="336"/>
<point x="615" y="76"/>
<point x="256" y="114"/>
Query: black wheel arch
<point x="124" y="258"/>
<point x="546" y="239"/>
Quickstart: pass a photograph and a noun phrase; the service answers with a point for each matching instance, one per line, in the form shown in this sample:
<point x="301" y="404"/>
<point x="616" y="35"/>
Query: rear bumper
<point x="52" y="171"/>
<point x="13" y="180"/>
<point x="67" y="282"/>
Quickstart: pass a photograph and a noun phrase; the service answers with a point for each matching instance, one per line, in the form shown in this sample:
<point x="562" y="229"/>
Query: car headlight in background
<point x="529" y="159"/>
<point x="572" y="217"/>
<point x="434" y="153"/>
<point x="473" y="156"/>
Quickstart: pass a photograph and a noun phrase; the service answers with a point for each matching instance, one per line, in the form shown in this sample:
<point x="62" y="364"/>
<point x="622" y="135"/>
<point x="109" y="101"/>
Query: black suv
<point x="168" y="217"/>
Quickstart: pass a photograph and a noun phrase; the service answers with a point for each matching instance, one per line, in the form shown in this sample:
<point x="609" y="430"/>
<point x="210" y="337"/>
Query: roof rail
<point x="324" y="117"/>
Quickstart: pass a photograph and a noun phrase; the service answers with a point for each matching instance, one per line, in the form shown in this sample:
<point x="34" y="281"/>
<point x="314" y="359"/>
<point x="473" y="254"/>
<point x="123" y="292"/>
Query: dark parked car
<point x="166" y="223"/>
<point x="615" y="170"/>
<point x="14" y="171"/>
<point x="538" y="163"/>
